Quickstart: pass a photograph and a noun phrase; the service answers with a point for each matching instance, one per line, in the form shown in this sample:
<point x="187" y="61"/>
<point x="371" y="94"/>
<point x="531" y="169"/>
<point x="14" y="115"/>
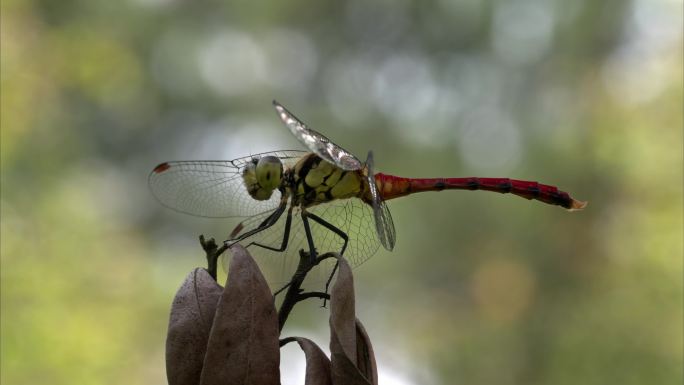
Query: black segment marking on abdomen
<point x="505" y="187"/>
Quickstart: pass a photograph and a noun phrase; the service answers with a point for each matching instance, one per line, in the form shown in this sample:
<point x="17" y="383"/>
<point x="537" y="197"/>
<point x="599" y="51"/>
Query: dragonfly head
<point x="262" y="176"/>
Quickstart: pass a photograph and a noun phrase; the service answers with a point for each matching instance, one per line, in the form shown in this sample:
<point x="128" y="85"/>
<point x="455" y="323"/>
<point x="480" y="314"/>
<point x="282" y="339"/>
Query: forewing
<point x="212" y="188"/>
<point x="317" y="143"/>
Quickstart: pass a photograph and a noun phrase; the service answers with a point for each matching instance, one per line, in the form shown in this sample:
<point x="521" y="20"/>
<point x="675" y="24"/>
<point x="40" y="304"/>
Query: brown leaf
<point x="317" y="363"/>
<point x="342" y="311"/>
<point x="192" y="314"/>
<point x="365" y="357"/>
<point x="352" y="356"/>
<point x="243" y="345"/>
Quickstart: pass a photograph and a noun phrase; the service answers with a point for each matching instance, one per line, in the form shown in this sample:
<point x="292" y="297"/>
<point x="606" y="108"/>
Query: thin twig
<point x="212" y="253"/>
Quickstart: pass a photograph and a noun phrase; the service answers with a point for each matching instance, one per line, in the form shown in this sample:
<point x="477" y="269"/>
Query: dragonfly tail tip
<point x="577" y="205"/>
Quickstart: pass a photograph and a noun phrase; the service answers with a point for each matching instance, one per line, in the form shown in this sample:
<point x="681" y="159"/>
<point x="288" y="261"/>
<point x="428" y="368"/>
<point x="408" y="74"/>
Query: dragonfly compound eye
<point x="253" y="173"/>
<point x="269" y="173"/>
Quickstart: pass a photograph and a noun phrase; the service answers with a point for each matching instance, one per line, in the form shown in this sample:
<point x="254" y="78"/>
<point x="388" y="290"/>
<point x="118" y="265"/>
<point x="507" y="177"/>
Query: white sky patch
<point x="394" y="377"/>
<point x="292" y="359"/>
<point x="292" y="364"/>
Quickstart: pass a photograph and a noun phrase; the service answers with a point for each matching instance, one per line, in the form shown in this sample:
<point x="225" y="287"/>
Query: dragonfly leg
<point x="268" y="222"/>
<point x="332" y="228"/>
<point x="281" y="289"/>
<point x="309" y="238"/>
<point x="342" y="235"/>
<point x="286" y="235"/>
<point x="305" y="216"/>
<point x="327" y="283"/>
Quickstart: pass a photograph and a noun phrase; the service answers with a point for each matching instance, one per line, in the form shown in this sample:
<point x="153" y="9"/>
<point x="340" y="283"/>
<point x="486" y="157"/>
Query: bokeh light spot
<point x="292" y="59"/>
<point x="404" y="87"/>
<point x="522" y="30"/>
<point x="489" y="140"/>
<point x="232" y="63"/>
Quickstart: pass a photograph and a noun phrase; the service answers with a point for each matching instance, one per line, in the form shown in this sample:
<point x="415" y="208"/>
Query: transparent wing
<point x="383" y="219"/>
<point x="317" y="143"/>
<point x="352" y="216"/>
<point x="389" y="237"/>
<point x="212" y="188"/>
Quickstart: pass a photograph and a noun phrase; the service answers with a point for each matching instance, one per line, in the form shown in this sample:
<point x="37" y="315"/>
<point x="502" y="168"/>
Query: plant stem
<point x="294" y="292"/>
<point x="212" y="252"/>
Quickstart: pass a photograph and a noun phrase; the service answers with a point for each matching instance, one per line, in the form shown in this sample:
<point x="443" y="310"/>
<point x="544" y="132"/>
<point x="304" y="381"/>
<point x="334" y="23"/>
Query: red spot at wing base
<point x="161" y="168"/>
<point x="236" y="230"/>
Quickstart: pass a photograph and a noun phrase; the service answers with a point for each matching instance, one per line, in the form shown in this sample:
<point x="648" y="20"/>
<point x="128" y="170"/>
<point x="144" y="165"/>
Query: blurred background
<point x="480" y="289"/>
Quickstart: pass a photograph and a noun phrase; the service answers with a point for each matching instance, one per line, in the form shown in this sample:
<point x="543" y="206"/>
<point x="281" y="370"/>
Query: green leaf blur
<point x="480" y="289"/>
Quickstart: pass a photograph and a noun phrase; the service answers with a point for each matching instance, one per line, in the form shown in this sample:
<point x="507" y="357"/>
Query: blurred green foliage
<point x="480" y="289"/>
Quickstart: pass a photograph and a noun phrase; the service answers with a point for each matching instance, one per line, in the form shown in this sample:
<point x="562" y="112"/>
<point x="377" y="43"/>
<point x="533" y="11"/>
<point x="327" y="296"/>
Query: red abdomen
<point x="391" y="187"/>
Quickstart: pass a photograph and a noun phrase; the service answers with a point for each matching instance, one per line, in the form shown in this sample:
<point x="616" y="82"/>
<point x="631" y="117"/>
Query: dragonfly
<point x="322" y="199"/>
